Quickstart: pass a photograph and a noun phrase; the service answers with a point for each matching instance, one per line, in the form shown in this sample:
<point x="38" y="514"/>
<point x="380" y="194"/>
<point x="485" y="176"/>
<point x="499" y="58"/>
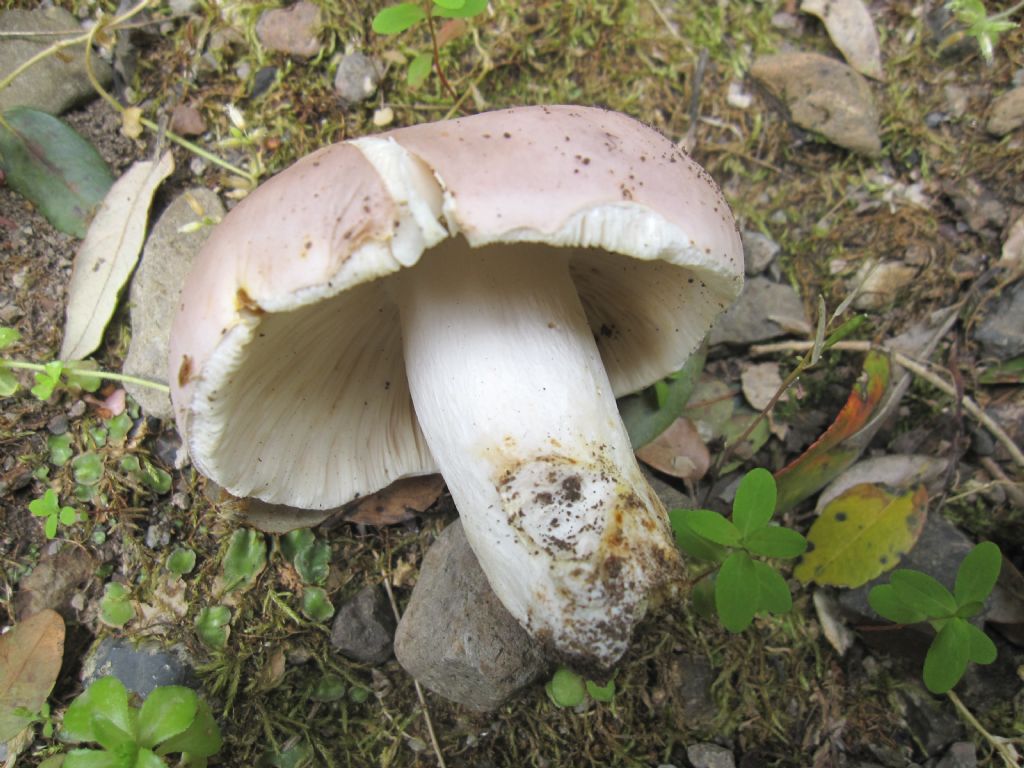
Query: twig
<point x="918" y="369"/>
<point x="690" y="140"/>
<point x="1011" y="488"/>
<point x="665" y="20"/>
<point x="437" y="58"/>
<point x="419" y="691"/>
<point x="1000" y="744"/>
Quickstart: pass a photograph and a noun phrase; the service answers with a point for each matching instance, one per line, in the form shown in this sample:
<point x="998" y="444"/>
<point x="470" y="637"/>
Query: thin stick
<point x="1012" y="489"/>
<point x="419" y="691"/>
<point x="437" y="59"/>
<point x="1001" y="744"/>
<point x="918" y="369"/>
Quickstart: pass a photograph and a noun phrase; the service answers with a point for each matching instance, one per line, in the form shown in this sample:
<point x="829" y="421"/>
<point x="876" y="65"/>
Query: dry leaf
<point x="900" y="471"/>
<point x="852" y="31"/>
<point x="760" y="383"/>
<point x="397" y="503"/>
<point x="678" y="451"/>
<point x="30" y="658"/>
<point x="836" y="632"/>
<point x="108" y="255"/>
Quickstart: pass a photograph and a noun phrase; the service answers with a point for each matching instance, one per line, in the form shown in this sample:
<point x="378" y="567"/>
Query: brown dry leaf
<point x="852" y="31"/>
<point x="30" y="659"/>
<point x="399" y="502"/>
<point x="280" y="518"/>
<point x="450" y="30"/>
<point x="272" y="673"/>
<point x="760" y="383"/>
<point x="54" y="581"/>
<point x="678" y="451"/>
<point x="839" y="635"/>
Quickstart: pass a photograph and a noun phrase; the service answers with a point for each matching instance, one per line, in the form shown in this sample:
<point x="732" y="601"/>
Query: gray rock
<point x="962" y="754"/>
<point x="764" y="310"/>
<point x="456" y="638"/>
<point x="933" y="725"/>
<point x="710" y="756"/>
<point x="357" y="78"/>
<point x="156" y="289"/>
<point x="759" y="251"/>
<point x="364" y="627"/>
<point x="1007" y="112"/>
<point x="140" y="667"/>
<point x="294" y="30"/>
<point x="823" y="95"/>
<point x="692" y="677"/>
<point x="1001" y="333"/>
<point x="56" y="83"/>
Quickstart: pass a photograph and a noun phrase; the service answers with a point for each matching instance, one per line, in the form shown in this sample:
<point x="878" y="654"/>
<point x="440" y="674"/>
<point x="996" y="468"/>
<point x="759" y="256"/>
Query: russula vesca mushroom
<point x="466" y="297"/>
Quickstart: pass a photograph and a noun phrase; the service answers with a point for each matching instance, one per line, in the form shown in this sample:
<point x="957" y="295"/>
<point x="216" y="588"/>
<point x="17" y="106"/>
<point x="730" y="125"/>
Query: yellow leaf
<point x="861" y="534"/>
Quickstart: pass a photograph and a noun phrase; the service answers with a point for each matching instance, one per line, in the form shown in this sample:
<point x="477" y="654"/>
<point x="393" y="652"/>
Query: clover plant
<point x="569" y="689"/>
<point x="171" y="720"/>
<point x="912" y="597"/>
<point x="744" y="585"/>
<point x="49" y="506"/>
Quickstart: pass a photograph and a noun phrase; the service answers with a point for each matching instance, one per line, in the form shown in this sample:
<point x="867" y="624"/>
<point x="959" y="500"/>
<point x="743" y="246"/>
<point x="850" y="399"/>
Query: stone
<point x="56" y="83"/>
<point x="141" y="667"/>
<point x="823" y="95"/>
<point x="156" y="288"/>
<point x="456" y="638"/>
<point x="934" y="726"/>
<point x="1001" y="332"/>
<point x="691" y="677"/>
<point x="763" y="311"/>
<point x="710" y="756"/>
<point x="980" y="207"/>
<point x="186" y="120"/>
<point x="759" y="251"/>
<point x="881" y="283"/>
<point x="357" y="78"/>
<point x="294" y="30"/>
<point x="1006" y="113"/>
<point x="962" y="754"/>
<point x="364" y="627"/>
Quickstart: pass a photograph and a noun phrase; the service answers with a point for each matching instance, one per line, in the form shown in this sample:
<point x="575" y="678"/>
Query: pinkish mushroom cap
<point x="466" y="297"/>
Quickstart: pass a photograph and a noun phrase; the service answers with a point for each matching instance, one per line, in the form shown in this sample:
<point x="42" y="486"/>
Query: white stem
<point x="517" y="410"/>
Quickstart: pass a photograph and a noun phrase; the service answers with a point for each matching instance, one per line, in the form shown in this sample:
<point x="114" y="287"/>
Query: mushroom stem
<point x="515" y="405"/>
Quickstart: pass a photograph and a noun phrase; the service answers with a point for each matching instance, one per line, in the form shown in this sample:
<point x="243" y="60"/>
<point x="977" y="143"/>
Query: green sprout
<point x="116" y="605"/>
<point x="172" y="719"/>
<point x="48" y="506"/>
<point x="244" y="560"/>
<point x="744" y="586"/>
<point x="568" y="689"/>
<point x="912" y="597"/>
<point x="181" y="561"/>
<point x="982" y="27"/>
<point x="213" y="625"/>
<point x="316" y="605"/>
<point x="310" y="557"/>
<point x="396" y="19"/>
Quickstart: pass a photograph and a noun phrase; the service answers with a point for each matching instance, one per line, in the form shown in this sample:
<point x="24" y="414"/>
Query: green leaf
<point x="119" y="427"/>
<point x="981" y="648"/>
<point x="181" y="561"/>
<point x="450" y="5"/>
<point x="603" y="693"/>
<point x="844" y="330"/>
<point x="923" y="592"/>
<point x="419" y="69"/>
<point x="754" y="503"/>
<point x="397" y="18"/>
<point x="772" y="589"/>
<point x="200" y="740"/>
<point x="87" y="468"/>
<point x="645" y="418"/>
<point x="313" y="563"/>
<point x="213" y="626"/>
<point x="316" y="604"/>
<point x="60" y="449"/>
<point x="115" y="607"/>
<point x="861" y="534"/>
<point x="737" y="592"/>
<point x="77" y="378"/>
<point x="978" y="574"/>
<point x="47" y="504"/>
<point x="775" y="541"/>
<point x="8" y="336"/>
<point x="566" y="688"/>
<point x="330" y="687"/>
<point x="54" y="167"/>
<point x="50" y="526"/>
<point x="68" y="516"/>
<point x="702" y="596"/>
<point x="107" y="698"/>
<point x="294" y="542"/>
<point x="712" y="526"/>
<point x="8" y="382"/>
<point x="469" y="9"/>
<point x="947" y="656"/>
<point x="94" y="758"/>
<point x="167" y="711"/>
<point x="47" y="380"/>
<point x="690" y="542"/>
<point x="244" y="559"/>
<point x="147" y="759"/>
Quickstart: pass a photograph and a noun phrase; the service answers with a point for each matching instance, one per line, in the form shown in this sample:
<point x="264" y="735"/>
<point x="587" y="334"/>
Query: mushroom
<point x="467" y="297"/>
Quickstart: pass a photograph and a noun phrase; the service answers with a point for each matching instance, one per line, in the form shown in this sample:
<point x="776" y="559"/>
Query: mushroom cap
<point x="286" y="365"/>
